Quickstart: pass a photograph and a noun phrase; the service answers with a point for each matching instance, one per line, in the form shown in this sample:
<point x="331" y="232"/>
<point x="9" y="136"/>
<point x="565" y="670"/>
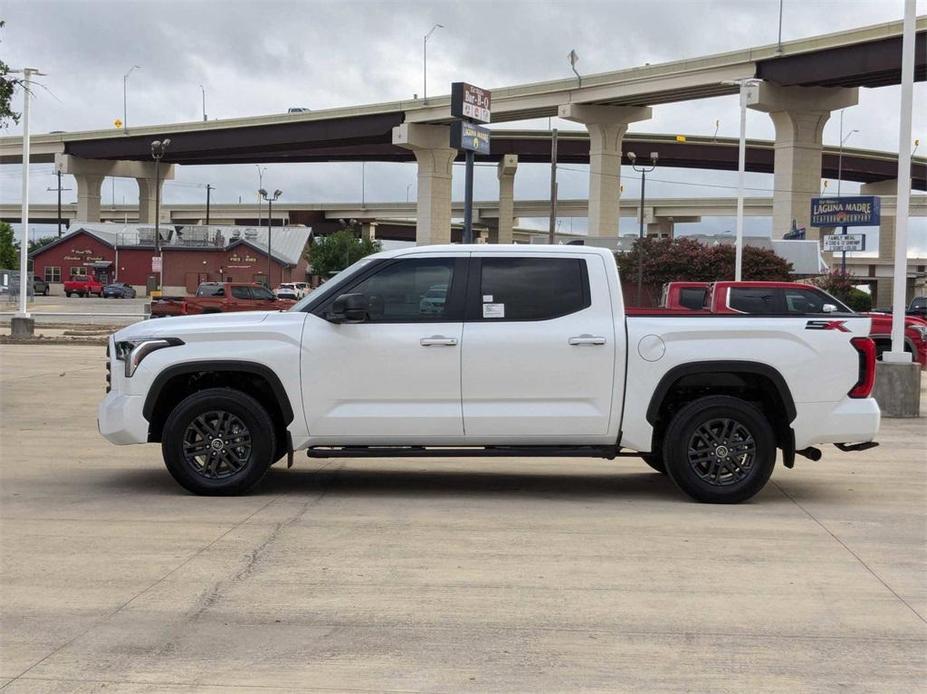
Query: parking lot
<point x="443" y="575"/>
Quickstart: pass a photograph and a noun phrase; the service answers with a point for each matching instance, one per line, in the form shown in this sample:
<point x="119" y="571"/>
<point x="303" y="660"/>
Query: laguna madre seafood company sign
<point x="857" y="211"/>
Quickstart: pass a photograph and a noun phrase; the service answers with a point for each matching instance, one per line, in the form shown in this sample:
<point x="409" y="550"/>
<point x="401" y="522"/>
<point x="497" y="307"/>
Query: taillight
<point x="866" y="349"/>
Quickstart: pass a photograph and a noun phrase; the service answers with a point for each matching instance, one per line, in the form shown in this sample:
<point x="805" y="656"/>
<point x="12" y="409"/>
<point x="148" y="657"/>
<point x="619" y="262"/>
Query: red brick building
<point x="192" y="254"/>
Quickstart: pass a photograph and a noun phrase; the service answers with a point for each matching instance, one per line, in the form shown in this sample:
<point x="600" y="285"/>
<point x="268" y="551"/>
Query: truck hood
<point x="192" y="325"/>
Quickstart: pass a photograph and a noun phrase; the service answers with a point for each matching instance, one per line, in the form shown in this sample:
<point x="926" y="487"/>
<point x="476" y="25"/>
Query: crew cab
<point x="788" y="298"/>
<point x="83" y="285"/>
<point x="220" y="297"/>
<point x="530" y="354"/>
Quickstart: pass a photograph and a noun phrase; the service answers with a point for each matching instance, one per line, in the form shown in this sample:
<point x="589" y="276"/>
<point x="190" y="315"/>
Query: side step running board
<point x="608" y="452"/>
<point x="852" y="447"/>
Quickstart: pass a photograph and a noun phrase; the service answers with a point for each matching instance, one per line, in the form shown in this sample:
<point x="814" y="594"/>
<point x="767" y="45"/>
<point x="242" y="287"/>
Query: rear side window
<point x="692" y="297"/>
<point x="532" y="288"/>
<point x="262" y="294"/>
<point x="241" y="293"/>
<point x="755" y="300"/>
<point x="210" y="290"/>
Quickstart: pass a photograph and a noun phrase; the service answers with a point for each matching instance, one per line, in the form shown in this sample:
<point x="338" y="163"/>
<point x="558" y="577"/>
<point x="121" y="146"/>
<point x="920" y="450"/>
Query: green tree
<point x="9" y="250"/>
<point x="685" y="259"/>
<point x="7" y="86"/>
<point x="41" y="243"/>
<point x="333" y="253"/>
<point x="841" y="285"/>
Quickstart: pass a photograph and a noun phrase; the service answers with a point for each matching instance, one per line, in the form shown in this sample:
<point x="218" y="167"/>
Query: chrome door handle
<point x="438" y="340"/>
<point x="587" y="340"/>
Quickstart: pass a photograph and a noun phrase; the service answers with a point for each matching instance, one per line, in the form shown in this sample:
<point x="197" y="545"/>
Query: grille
<point x="109" y="369"/>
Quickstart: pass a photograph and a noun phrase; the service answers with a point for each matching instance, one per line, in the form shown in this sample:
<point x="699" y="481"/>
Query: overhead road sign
<point x="470" y="137"/>
<point x="472" y="103"/>
<point x="844" y="243"/>
<point x="855" y="211"/>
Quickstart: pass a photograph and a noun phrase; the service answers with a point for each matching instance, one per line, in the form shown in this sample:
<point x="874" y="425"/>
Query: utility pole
<point x="28" y="74"/>
<point x="209" y="189"/>
<point x="59" y="189"/>
<point x="643" y="170"/>
<point x="551" y="229"/>
<point x="270" y="201"/>
<point x="157" y="152"/>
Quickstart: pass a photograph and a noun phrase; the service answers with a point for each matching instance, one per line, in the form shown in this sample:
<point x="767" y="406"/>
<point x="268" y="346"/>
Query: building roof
<point x="286" y="243"/>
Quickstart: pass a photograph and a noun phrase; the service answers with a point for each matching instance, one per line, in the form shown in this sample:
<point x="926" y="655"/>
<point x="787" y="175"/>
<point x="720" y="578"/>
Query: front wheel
<point x="720" y="449"/>
<point x="218" y="442"/>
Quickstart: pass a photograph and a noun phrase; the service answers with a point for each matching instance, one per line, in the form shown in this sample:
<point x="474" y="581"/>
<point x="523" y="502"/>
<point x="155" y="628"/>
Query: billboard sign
<point x="856" y="211"/>
<point x="845" y="243"/>
<point x="470" y="102"/>
<point x="469" y="136"/>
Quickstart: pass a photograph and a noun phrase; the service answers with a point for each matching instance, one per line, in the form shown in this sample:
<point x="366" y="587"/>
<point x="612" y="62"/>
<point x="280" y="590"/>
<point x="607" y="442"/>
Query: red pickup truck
<point x="220" y="297"/>
<point x="785" y="298"/>
<point x="83" y="285"/>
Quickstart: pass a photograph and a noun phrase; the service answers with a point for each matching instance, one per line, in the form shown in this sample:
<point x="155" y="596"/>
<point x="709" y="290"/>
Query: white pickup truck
<point x="526" y="352"/>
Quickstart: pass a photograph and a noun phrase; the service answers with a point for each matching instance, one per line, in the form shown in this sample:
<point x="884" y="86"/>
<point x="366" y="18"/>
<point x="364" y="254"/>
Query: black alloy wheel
<point x="720" y="449"/>
<point x="217" y="444"/>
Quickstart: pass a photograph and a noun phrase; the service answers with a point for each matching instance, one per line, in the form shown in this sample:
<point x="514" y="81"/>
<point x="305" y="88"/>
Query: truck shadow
<point x="344" y="482"/>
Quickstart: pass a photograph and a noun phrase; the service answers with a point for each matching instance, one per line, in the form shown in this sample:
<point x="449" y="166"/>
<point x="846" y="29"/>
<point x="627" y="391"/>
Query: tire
<point x="655" y="460"/>
<point x="68" y="294"/>
<point x="196" y="420"/>
<point x="712" y="426"/>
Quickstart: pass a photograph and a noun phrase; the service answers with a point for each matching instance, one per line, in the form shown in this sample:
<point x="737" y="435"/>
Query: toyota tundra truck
<point x="529" y="354"/>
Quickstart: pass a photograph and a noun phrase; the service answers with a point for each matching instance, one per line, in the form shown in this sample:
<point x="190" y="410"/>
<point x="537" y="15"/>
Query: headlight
<point x="133" y="351"/>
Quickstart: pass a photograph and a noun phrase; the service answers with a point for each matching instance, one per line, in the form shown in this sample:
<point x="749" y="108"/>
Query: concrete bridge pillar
<point x="88" y="197"/>
<point x="146" y="199"/>
<point x="506" y="173"/>
<point x="607" y="126"/>
<point x="429" y="144"/>
<point x="369" y="231"/>
<point x="799" y="115"/>
<point x="884" y="290"/>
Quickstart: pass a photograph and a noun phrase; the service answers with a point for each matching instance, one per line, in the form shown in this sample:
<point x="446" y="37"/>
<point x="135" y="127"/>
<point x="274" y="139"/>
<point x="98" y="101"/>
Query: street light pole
<point x="744" y="85"/>
<point x="28" y="73"/>
<point x="209" y="189"/>
<point x="125" y="110"/>
<point x="425" y="60"/>
<point x="843" y="254"/>
<point x="643" y="170"/>
<point x="270" y="201"/>
<point x="261" y="170"/>
<point x="157" y="152"/>
<point x="552" y="224"/>
<point x="203" y="89"/>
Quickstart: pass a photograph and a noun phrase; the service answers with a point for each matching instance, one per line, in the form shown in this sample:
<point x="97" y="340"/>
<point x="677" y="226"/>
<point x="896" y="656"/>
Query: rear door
<point x="539" y="348"/>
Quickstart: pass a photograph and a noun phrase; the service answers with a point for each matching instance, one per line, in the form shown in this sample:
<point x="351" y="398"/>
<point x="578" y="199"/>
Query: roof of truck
<point x="527" y="249"/>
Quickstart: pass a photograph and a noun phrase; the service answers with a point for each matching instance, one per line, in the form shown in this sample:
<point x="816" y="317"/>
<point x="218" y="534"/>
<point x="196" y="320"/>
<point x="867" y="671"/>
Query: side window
<point x="210" y="290"/>
<point x="409" y="291"/>
<point x="755" y="300"/>
<point x="532" y="288"/>
<point x="803" y="301"/>
<point x="52" y="274"/>
<point x="241" y="292"/>
<point x="692" y="297"/>
<point x="262" y="294"/>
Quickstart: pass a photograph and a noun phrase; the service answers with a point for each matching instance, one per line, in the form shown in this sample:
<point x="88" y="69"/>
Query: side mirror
<point x="829" y="308"/>
<point x="349" y="308"/>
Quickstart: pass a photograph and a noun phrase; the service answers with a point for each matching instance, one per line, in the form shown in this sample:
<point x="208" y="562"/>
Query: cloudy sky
<point x="263" y="57"/>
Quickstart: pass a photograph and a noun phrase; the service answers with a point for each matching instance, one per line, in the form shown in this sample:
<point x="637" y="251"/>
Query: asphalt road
<point x="443" y="575"/>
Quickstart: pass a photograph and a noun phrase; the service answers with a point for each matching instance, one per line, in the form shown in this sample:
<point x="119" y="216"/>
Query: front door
<point x="395" y="377"/>
<point x="539" y="349"/>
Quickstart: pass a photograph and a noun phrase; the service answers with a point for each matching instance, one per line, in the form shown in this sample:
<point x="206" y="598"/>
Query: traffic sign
<point x="470" y="102"/>
<point x="156" y="263"/>
<point x="844" y="243"/>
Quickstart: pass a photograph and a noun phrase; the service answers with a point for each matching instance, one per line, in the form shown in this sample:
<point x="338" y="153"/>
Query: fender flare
<point x="724" y="366"/>
<point x="249" y="367"/>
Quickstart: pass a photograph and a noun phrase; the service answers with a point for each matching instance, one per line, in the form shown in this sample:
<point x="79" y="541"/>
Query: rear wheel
<point x="218" y="442"/>
<point x="720" y="449"/>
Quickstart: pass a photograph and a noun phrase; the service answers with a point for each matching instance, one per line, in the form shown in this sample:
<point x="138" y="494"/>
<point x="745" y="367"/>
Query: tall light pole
<point x="425" y="59"/>
<point x="209" y="189"/>
<point x="261" y="170"/>
<point x="270" y="218"/>
<point x="157" y="152"/>
<point x="28" y="74"/>
<point x="744" y="85"/>
<point x="843" y="254"/>
<point x="125" y="110"/>
<point x="203" y="89"/>
<point x="643" y="170"/>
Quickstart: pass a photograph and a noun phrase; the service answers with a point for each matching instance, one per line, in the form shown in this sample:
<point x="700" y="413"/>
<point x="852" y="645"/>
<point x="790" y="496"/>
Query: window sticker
<point x="493" y="310"/>
<point x="487" y="298"/>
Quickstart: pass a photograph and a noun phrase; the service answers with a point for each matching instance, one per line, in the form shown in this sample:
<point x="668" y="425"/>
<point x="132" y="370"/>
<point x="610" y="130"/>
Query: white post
<point x="741" y="165"/>
<point x="24" y="236"/>
<point x="899" y="294"/>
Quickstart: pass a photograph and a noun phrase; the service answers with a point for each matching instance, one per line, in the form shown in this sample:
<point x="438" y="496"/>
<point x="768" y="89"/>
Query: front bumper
<point x="120" y="419"/>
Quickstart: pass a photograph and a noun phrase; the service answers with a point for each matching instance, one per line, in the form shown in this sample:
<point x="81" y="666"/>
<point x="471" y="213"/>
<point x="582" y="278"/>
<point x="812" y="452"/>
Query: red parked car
<point x="788" y="298"/>
<point x="220" y="297"/>
<point x="83" y="285"/>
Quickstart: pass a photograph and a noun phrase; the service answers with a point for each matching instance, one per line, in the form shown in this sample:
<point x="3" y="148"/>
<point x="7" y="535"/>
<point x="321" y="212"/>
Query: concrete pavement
<point x="443" y="575"/>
